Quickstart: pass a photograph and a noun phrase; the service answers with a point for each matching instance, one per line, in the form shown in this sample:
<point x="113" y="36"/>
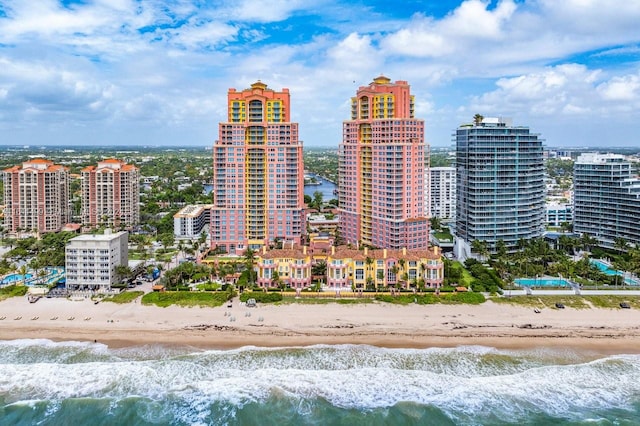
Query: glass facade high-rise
<point x="258" y="172"/>
<point x="606" y="198"/>
<point x="500" y="184"/>
<point x="381" y="169"/>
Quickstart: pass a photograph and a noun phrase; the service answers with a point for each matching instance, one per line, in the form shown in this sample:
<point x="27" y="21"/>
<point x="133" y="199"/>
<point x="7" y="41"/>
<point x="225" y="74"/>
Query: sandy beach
<point x="379" y="324"/>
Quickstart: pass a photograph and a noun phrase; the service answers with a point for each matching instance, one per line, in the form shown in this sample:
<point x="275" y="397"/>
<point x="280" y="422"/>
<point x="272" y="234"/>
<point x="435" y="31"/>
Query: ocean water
<point x="47" y="383"/>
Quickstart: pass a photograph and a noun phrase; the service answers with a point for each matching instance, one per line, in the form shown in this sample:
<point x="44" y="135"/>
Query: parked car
<point x="560" y="305"/>
<point x="625" y="305"/>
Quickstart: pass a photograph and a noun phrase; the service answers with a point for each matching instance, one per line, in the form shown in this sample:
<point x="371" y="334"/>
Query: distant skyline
<point x="151" y="72"/>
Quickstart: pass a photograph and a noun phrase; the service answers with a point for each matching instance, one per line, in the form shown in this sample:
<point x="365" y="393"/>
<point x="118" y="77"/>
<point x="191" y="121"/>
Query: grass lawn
<point x="134" y="255"/>
<point x="12" y="291"/>
<point x="124" y="297"/>
<point x="326" y="300"/>
<point x="468" y="298"/>
<point x="186" y="298"/>
<point x="576" y="302"/>
<point x="443" y="236"/>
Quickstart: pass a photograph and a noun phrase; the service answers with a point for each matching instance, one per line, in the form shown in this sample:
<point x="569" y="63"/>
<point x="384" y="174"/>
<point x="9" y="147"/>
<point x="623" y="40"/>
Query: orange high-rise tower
<point x="258" y="172"/>
<point x="381" y="169"/>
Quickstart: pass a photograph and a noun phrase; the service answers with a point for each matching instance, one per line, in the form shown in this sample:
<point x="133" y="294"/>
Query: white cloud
<point x="169" y="64"/>
<point x="566" y="89"/>
<point x="200" y="35"/>
<point x="354" y="52"/>
<point x="469" y="23"/>
<point x="623" y="88"/>
<point x="265" y="10"/>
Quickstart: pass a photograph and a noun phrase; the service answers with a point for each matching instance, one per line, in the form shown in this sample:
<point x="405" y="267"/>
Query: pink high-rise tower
<point x="381" y="169"/>
<point x="258" y="172"/>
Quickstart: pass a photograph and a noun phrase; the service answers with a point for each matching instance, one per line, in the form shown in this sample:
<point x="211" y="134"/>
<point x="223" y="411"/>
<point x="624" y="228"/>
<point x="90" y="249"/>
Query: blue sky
<point x="153" y="72"/>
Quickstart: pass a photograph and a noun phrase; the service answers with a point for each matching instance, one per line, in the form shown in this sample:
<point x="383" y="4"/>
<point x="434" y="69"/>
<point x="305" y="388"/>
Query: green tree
<point x="480" y="248"/>
<point x="501" y="249"/>
<point x="317" y="200"/>
<point x="124" y="272"/>
<point x="621" y="244"/>
<point x="587" y="241"/>
<point x="248" y="260"/>
<point x="275" y="279"/>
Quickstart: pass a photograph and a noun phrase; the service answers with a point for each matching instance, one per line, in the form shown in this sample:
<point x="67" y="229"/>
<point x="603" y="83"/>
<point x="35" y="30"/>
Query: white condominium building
<point x="606" y="198"/>
<point x="441" y="192"/>
<point x="91" y="260"/>
<point x="191" y="220"/>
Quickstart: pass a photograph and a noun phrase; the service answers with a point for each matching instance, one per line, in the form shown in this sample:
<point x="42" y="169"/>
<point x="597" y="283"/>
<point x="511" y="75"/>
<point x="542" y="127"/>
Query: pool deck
<point x="570" y="292"/>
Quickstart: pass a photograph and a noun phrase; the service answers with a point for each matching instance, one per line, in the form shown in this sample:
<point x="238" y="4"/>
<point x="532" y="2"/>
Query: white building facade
<point x="91" y="260"/>
<point x="606" y="198"/>
<point x="191" y="220"/>
<point x="441" y="192"/>
<point x="558" y="213"/>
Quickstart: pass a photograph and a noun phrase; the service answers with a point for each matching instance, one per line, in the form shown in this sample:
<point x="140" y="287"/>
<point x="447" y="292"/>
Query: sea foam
<point x="461" y="382"/>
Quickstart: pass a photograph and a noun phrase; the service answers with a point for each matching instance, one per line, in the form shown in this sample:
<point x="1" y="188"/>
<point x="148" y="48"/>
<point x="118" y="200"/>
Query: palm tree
<point x="275" y="279"/>
<point x="317" y="200"/>
<point x="588" y="241"/>
<point x="23" y="271"/>
<point x="621" y="244"/>
<point x="477" y="119"/>
<point x="370" y="282"/>
<point x="480" y="247"/>
<point x="522" y="244"/>
<point x="248" y="259"/>
<point x="435" y="223"/>
<point x="181" y="248"/>
<point x="501" y="249"/>
<point x="123" y="272"/>
<point x="402" y="264"/>
<point x="394" y="271"/>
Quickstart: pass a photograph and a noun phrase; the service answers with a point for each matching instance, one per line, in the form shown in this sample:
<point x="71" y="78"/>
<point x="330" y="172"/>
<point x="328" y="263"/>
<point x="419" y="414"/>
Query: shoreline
<point x="605" y="331"/>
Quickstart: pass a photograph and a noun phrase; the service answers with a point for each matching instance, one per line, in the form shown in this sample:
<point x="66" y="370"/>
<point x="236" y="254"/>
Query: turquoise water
<point x="12" y="278"/>
<point x="48" y="383"/>
<point x="542" y="282"/>
<point x="604" y="268"/>
<point x="608" y="271"/>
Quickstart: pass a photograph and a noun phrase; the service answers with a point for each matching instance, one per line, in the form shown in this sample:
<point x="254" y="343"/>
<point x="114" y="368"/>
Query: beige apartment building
<point x="110" y="194"/>
<point x="36" y="196"/>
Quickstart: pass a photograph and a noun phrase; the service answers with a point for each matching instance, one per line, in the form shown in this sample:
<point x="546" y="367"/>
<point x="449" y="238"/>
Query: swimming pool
<point x="13" y="278"/>
<point x="605" y="269"/>
<point x="542" y="282"/>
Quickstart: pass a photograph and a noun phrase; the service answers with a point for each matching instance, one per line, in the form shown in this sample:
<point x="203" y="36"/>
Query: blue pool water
<point x="604" y="267"/>
<point x="542" y="282"/>
<point x="13" y="278"/>
<point x="608" y="271"/>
